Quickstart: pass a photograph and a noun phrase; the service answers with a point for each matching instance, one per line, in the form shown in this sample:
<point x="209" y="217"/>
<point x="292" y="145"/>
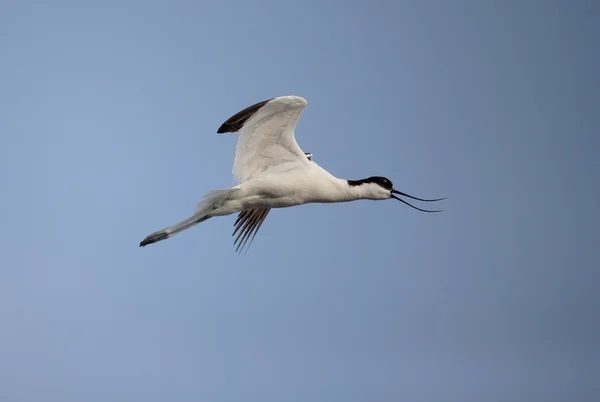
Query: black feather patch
<point x="237" y="121"/>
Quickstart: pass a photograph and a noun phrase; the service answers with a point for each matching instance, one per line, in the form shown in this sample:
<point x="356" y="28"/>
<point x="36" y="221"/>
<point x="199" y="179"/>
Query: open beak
<point x="414" y="198"/>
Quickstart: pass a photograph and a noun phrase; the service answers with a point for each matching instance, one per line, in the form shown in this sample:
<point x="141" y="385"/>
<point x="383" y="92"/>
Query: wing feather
<point x="249" y="221"/>
<point x="266" y="135"/>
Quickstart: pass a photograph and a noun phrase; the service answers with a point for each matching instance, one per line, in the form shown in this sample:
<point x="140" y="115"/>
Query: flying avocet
<point x="273" y="172"/>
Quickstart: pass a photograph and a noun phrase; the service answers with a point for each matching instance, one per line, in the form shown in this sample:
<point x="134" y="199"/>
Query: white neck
<point x="338" y="190"/>
<point x="351" y="193"/>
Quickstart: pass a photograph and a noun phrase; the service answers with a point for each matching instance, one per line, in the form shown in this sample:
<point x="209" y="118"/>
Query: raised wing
<point x="266" y="135"/>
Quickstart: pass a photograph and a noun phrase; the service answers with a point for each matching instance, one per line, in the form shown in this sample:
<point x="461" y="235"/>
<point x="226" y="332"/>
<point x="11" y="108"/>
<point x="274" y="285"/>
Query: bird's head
<point x="381" y="188"/>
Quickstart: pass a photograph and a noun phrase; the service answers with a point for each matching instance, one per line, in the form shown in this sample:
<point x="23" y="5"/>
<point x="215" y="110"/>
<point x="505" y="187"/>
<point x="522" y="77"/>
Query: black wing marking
<point x="249" y="221"/>
<point x="237" y="121"/>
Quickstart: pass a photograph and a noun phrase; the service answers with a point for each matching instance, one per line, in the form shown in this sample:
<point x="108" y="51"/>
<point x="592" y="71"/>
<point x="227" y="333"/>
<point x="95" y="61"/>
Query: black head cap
<point x="382" y="181"/>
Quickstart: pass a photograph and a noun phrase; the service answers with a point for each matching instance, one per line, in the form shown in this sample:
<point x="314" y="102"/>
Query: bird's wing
<point x="249" y="221"/>
<point x="266" y="135"/>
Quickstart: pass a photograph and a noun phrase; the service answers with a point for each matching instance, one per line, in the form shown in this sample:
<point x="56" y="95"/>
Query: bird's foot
<point x="154" y="237"/>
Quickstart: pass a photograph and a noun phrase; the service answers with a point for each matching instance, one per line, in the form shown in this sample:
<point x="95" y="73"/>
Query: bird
<point x="273" y="172"/>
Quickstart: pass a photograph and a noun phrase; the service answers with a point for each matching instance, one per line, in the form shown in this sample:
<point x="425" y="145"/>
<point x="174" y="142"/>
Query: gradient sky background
<point x="109" y="112"/>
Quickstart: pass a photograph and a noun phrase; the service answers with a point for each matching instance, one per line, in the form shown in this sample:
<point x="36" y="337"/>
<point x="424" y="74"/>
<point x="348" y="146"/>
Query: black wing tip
<point x="237" y="121"/>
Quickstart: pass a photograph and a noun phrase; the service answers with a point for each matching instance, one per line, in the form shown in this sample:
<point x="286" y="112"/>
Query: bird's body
<point x="273" y="172"/>
<point x="308" y="184"/>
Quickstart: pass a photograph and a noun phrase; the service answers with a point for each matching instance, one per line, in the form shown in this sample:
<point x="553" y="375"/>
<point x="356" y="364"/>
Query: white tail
<point x="201" y="214"/>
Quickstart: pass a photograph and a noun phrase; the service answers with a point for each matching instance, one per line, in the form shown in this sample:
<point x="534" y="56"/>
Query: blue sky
<point x="108" y="122"/>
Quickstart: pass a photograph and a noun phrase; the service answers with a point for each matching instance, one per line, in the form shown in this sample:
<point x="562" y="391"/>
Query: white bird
<point x="273" y="172"/>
